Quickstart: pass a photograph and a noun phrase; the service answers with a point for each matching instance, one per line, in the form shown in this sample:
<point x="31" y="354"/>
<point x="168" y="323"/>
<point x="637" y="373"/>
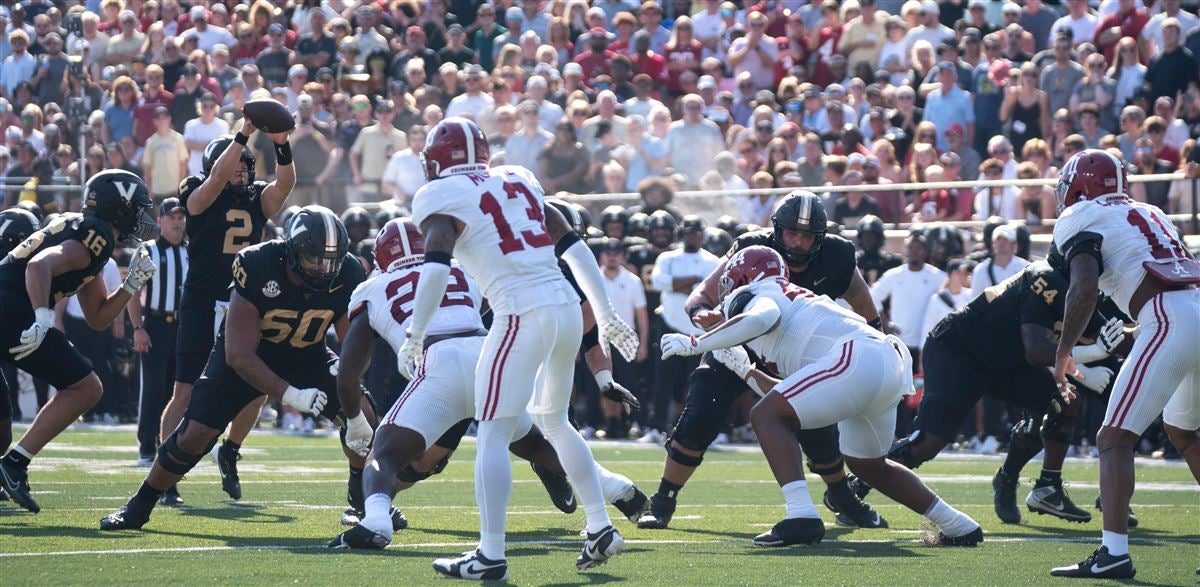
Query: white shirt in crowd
<point x="938" y="308"/>
<point x="626" y="293"/>
<point x="989" y="273"/>
<point x="475" y="105"/>
<point x="197" y="130"/>
<point x="112" y="280"/>
<point x="672" y="265"/>
<point x="910" y="292"/>
<point x="1003" y="204"/>
<point x="404" y="171"/>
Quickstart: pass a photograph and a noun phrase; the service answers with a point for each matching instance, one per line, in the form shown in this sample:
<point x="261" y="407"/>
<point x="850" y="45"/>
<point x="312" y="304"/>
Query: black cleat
<point x="972" y="538"/>
<point x="131" y="516"/>
<point x="171" y="497"/>
<point x="474" y="566"/>
<point x="227" y="464"/>
<point x="559" y="488"/>
<point x="16" y="483"/>
<point x="793" y="531"/>
<point x="359" y="538"/>
<point x="858" y="486"/>
<point x="600" y="547"/>
<point x="399" y="522"/>
<point x="1004" y="497"/>
<point x="633" y="504"/>
<point x="352" y="517"/>
<point x="1053" y="500"/>
<point x="659" y="515"/>
<point x="1133" y="519"/>
<point x="1100" y="565"/>
<point x="851" y="510"/>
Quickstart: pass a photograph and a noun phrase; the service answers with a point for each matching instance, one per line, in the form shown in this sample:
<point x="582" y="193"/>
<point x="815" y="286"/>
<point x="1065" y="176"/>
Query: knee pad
<point x="697" y="429"/>
<point x="820" y="445"/>
<point x="901" y="451"/>
<point x="173" y="459"/>
<point x="829" y="469"/>
<point x="679" y="457"/>
<point x="1058" y="429"/>
<point x="411" y="475"/>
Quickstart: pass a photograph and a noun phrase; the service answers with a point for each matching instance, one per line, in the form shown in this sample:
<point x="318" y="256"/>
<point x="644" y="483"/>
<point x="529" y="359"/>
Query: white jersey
<point x="504" y="244"/>
<point x="388" y="298"/>
<point x="1132" y="234"/>
<point x="809" y="328"/>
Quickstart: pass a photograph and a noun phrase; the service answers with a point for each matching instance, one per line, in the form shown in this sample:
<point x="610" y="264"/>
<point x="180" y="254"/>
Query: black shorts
<point x="220" y="393"/>
<point x="955" y="381"/>
<point x="194" y="340"/>
<point x="55" y="361"/>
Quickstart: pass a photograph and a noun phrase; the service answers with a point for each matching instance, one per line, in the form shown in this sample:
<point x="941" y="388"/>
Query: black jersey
<point x="95" y="235"/>
<point x="293" y="319"/>
<point x="642" y="257"/>
<point x="828" y="274"/>
<point x="873" y="266"/>
<point x="215" y="235"/>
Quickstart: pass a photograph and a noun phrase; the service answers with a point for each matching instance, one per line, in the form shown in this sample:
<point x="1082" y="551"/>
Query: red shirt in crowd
<point x="935" y="205"/>
<point x="653" y="65"/>
<point x="594" y="64"/>
<point x="1131" y="24"/>
<point x="681" y="54"/>
<point x="143" y="113"/>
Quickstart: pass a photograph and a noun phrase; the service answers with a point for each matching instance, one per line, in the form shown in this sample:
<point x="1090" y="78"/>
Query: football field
<point x="294" y="491"/>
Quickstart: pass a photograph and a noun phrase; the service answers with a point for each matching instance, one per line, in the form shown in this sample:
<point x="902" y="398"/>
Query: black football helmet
<point x="16" y="224"/>
<point x="357" y="222"/>
<point x="661" y="220"/>
<point x="636" y="225"/>
<point x="386" y="214"/>
<point x="717" y="241"/>
<point x="317" y="244"/>
<point x="570" y="213"/>
<point x="800" y="210"/>
<point x="33" y="208"/>
<point x="691" y="224"/>
<point x="870" y="224"/>
<point x="122" y="199"/>
<point x="614" y="214"/>
<point x="214" y="150"/>
<point x="728" y="223"/>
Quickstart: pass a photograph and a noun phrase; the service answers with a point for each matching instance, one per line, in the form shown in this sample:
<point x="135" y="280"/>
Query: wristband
<point x="438" y="257"/>
<point x="604" y="378"/>
<point x="283" y="153"/>
<point x="241" y="139"/>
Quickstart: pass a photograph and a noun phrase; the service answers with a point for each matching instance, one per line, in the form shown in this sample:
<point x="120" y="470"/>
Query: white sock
<point x="799" y="502"/>
<point x="378" y="515"/>
<point x="577" y="461"/>
<point x="1118" y="544"/>
<point x="613" y="485"/>
<point x="493" y="483"/>
<point x="952" y="522"/>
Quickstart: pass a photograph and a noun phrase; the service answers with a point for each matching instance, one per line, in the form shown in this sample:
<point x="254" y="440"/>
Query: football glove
<point x="1094" y="378"/>
<point x="736" y="359"/>
<point x="310" y="401"/>
<point x="614" y="331"/>
<point x="31" y="338"/>
<point x="1111" y="335"/>
<point x="141" y="269"/>
<point x="679" y="345"/>
<point x="410" y="355"/>
<point x="616" y="392"/>
<point x="359" y="434"/>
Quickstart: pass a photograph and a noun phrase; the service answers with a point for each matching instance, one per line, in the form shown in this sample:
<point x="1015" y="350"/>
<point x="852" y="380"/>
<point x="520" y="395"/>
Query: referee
<point x="154" y="322"/>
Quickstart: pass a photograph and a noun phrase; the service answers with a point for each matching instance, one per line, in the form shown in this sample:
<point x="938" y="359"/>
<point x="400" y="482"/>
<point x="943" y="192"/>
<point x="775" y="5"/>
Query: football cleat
<point x="851" y="510"/>
<point x="659" y="515"/>
<point x="600" y="547"/>
<point x="972" y="538"/>
<point x="16" y="483"/>
<point x="359" y="538"/>
<point x="1100" y="565"/>
<point x="1004" y="497"/>
<point x="227" y="464"/>
<point x="793" y="531"/>
<point x="559" y="488"/>
<point x="633" y="504"/>
<point x="352" y="517"/>
<point x="1053" y="500"/>
<point x="474" y="566"/>
<point x="171" y="497"/>
<point x="131" y="516"/>
<point x="1133" y="519"/>
<point x="3" y="495"/>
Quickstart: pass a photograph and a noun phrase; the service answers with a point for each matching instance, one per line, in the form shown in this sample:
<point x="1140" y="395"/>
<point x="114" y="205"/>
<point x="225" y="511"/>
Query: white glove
<point x="31" y="338"/>
<point x="410" y="356"/>
<point x="678" y="345"/>
<point x="310" y="401"/>
<point x="1093" y="378"/>
<point x="333" y="367"/>
<point x="615" y="331"/>
<point x="1111" y="335"/>
<point x="359" y="434"/>
<point x="141" y="269"/>
<point x="736" y="359"/>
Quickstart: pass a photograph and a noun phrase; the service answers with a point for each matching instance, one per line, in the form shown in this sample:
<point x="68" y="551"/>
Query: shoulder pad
<point x="736" y="302"/>
<point x="188" y="185"/>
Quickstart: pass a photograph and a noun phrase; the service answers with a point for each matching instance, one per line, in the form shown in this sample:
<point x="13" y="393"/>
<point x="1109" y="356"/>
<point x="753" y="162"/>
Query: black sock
<point x="17" y="460"/>
<point x="147" y="494"/>
<point x="668" y="490"/>
<point x="231" y="445"/>
<point x="1049" y="477"/>
<point x="354" y="489"/>
<point x="1020" y="452"/>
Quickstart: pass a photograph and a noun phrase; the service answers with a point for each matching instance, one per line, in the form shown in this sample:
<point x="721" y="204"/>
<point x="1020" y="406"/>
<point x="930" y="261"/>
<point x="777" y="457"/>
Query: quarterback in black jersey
<point x="285" y="296"/>
<point x="56" y="262"/>
<point x="1000" y="345"/>
<point x="817" y="261"/>
<point x="872" y="260"/>
<point x="227" y="210"/>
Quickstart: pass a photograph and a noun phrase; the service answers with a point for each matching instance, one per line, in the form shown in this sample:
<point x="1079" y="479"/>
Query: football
<point x="269" y="115"/>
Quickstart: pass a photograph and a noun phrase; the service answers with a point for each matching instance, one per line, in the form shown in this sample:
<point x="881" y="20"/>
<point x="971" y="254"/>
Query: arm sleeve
<point x="760" y="315"/>
<point x="587" y="273"/>
<point x="431" y="287"/>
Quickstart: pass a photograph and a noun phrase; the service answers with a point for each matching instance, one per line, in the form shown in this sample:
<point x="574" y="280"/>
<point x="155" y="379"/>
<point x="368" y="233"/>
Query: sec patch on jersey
<point x="268" y="115"/>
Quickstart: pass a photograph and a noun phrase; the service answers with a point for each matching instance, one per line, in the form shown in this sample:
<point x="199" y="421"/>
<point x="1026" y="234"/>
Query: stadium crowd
<point x="610" y="97"/>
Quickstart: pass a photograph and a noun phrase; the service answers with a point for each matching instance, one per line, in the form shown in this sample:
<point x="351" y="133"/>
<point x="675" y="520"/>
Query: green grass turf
<point x="294" y="490"/>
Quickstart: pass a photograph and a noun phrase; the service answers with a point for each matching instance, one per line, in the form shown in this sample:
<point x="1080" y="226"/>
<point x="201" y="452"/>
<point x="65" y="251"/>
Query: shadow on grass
<point x="234" y="511"/>
<point x="60" y="531"/>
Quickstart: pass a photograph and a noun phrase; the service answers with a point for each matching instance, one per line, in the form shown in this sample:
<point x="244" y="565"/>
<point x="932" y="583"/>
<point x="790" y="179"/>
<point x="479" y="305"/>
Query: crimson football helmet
<point x="1090" y="174"/>
<point x="455" y="145"/>
<point x="399" y="244"/>
<point x="749" y="265"/>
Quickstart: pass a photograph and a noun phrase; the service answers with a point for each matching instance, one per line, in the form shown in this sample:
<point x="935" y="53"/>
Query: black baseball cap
<point x="171" y="206"/>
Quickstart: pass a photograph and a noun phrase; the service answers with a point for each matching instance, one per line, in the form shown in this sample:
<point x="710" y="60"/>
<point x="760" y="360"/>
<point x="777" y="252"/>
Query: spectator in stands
<point x="19" y="66"/>
<point x="693" y="142"/>
<point x="405" y="173"/>
<point x="1182" y="199"/>
<point x="1025" y="109"/>
<point x="198" y="132"/>
<point x="909" y="288"/>
<point x="1058" y="79"/>
<point x="1174" y="69"/>
<point x="950" y="105"/>
<point x="563" y="165"/>
<point x="1147" y="161"/>
<point x="995" y="201"/>
<point x="1079" y="20"/>
<point x="166" y="157"/>
<point x="128" y="42"/>
<point x="1133" y="120"/>
<point x="642" y="154"/>
<point x="119" y="114"/>
<point x="756" y="53"/>
<point x="1126" y="22"/>
<point x="1001" y="149"/>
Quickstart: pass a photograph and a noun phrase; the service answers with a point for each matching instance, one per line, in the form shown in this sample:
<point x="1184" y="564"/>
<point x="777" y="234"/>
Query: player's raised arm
<point x="441" y="231"/>
<point x="275" y="195"/>
<point x="222" y="171"/>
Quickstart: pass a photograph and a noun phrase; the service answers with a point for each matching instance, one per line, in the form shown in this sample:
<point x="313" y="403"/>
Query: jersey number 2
<point x="240" y="227"/>
<point x="509" y="243"/>
<point x="403" y="291"/>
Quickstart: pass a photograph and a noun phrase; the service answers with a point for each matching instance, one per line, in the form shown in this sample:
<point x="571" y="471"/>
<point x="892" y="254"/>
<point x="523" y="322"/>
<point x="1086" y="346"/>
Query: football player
<point x="495" y="221"/>
<point x="227" y="210"/>
<point x="16" y="225"/>
<point x="833" y="368"/>
<point x="285" y="296"/>
<point x="1129" y="251"/>
<point x="56" y="262"/>
<point x="417" y="435"/>
<point x="872" y="260"/>
<point x="823" y="263"/>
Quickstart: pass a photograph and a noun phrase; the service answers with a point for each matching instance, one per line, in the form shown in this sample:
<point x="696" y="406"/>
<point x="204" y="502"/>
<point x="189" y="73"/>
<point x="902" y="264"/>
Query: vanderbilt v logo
<point x="126" y="190"/>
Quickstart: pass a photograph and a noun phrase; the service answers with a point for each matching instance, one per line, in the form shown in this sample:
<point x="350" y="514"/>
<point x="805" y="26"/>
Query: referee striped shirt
<point x="163" y="291"/>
